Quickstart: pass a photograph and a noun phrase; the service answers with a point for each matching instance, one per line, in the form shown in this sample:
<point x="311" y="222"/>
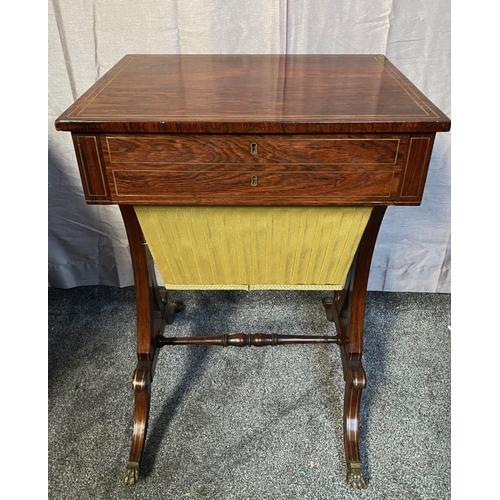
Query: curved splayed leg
<point x="151" y="319"/>
<point x="142" y="392"/>
<point x="355" y="383"/>
<point x="350" y="319"/>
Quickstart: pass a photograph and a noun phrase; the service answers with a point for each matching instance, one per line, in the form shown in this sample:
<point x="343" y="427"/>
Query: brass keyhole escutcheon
<point x="253" y="148"/>
<point x="253" y="180"/>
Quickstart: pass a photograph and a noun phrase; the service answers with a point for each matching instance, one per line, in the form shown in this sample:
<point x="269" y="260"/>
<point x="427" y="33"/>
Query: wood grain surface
<point x="245" y="188"/>
<point x="253" y="94"/>
<point x="209" y="148"/>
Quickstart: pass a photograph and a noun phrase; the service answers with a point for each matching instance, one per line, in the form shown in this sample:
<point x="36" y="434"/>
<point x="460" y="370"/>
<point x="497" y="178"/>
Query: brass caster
<point x="355" y="477"/>
<point x="131" y="475"/>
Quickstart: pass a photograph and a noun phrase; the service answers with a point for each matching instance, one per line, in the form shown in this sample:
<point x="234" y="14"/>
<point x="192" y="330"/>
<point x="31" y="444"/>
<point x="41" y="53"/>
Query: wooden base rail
<point x="248" y="339"/>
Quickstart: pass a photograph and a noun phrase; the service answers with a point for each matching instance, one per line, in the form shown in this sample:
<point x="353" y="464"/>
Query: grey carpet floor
<point x="250" y="423"/>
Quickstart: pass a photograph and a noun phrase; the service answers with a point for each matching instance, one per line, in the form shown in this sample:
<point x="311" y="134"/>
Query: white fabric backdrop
<point x="87" y="244"/>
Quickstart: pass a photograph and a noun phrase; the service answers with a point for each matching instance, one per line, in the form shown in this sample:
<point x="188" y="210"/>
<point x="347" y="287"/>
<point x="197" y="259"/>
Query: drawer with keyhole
<point x="284" y="149"/>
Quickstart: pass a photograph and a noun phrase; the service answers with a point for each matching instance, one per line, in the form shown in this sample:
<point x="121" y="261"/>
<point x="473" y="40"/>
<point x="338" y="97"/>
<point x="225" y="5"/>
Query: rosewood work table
<point x="248" y="172"/>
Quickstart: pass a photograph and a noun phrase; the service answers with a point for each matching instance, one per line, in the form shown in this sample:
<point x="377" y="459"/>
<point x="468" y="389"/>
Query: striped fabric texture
<point x="250" y="248"/>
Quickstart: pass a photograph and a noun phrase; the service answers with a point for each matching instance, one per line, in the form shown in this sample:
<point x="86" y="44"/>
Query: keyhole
<point x="253" y="148"/>
<point x="253" y="180"/>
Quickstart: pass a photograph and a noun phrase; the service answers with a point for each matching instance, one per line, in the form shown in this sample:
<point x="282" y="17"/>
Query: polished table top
<point x="253" y="94"/>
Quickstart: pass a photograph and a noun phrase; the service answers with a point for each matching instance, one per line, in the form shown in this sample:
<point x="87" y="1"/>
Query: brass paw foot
<point x="355" y="476"/>
<point x="131" y="475"/>
<point x="178" y="306"/>
<point x="172" y="309"/>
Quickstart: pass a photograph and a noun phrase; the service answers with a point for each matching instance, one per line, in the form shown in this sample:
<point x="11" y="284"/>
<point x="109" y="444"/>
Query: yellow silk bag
<point x="250" y="248"/>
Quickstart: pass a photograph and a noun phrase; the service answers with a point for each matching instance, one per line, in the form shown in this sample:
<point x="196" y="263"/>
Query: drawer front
<point x="210" y="169"/>
<point x="283" y="149"/>
<point x="253" y="188"/>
